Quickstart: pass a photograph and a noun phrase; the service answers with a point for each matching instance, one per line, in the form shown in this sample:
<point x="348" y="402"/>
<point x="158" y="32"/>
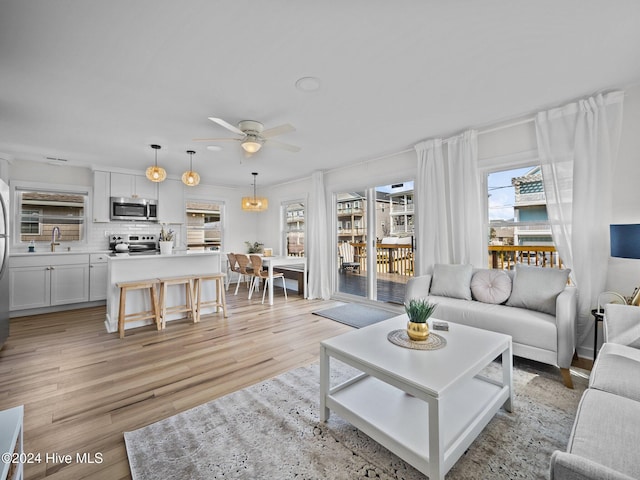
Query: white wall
<point x="624" y="274"/>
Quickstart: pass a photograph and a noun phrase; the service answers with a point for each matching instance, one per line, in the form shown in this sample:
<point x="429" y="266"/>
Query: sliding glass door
<point x="375" y="239"/>
<point x="351" y="210"/>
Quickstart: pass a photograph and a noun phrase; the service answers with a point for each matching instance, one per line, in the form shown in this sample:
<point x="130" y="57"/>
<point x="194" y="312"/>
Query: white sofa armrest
<point x="566" y="466"/>
<point x="622" y="324"/>
<point x="566" y="313"/>
<point x="417" y="287"/>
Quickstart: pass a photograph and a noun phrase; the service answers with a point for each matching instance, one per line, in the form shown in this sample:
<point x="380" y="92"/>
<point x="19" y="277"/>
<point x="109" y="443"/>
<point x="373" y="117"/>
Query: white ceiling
<point x="96" y="82"/>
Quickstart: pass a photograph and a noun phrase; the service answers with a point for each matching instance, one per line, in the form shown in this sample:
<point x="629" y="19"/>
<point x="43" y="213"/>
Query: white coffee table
<point x="448" y="404"/>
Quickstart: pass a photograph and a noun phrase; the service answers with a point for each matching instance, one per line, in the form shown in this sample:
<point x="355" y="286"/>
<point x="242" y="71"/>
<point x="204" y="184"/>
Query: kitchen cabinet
<point x="101" y="194"/>
<point x="126" y="185"/>
<point x="98" y="276"/>
<point x="48" y="280"/>
<point x="171" y="208"/>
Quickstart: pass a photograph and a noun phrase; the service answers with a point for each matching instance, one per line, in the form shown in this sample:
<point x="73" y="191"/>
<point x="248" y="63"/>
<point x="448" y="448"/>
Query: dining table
<point x="284" y="261"/>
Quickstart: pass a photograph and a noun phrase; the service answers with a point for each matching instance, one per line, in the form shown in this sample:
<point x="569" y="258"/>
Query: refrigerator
<point x="4" y="262"/>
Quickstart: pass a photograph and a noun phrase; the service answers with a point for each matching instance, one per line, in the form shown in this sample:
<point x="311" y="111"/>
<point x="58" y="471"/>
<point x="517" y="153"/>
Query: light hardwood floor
<point x="83" y="387"/>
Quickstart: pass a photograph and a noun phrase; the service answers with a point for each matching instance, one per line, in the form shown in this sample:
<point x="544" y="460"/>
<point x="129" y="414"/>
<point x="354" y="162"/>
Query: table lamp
<point x="625" y="243"/>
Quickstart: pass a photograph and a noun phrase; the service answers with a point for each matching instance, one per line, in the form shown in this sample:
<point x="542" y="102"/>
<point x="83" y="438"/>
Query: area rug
<point x="271" y="431"/>
<point x="356" y="315"/>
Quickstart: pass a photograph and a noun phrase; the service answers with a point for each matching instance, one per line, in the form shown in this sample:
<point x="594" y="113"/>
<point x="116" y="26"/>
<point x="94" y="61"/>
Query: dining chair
<point x="245" y="271"/>
<point x="259" y="273"/>
<point x="232" y="267"/>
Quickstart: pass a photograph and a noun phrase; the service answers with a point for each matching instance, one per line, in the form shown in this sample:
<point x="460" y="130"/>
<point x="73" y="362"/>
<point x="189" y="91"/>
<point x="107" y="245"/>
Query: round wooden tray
<point x="400" y="338"/>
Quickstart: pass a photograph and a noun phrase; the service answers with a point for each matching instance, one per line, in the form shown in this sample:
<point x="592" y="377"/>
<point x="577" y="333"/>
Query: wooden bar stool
<point x="123" y="317"/>
<point x="220" y="300"/>
<point x="188" y="306"/>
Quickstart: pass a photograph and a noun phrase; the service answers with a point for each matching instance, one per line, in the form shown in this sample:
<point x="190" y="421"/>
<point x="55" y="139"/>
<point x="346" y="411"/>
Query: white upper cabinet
<point x="126" y="185"/>
<point x="101" y="192"/>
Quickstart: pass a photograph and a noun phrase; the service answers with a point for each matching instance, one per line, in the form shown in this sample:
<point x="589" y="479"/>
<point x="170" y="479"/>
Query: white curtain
<point x="317" y="244"/>
<point x="578" y="146"/>
<point x="448" y="203"/>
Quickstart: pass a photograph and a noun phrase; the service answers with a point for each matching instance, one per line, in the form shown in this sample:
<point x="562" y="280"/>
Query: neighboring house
<point x="530" y="210"/>
<point x="402" y="214"/>
<point x="500" y="235"/>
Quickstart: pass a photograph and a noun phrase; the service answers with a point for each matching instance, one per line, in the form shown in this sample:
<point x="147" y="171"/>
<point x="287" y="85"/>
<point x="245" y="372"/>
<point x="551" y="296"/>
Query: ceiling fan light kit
<point x="190" y="178"/>
<point x="156" y="173"/>
<point x="252" y="143"/>
<point x="255" y="203"/>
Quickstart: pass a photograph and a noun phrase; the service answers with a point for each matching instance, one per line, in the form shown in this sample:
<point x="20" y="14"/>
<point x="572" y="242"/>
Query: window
<point x="517" y="213"/>
<point x="518" y="207"/>
<point x="30" y="224"/>
<point x="39" y="211"/>
<point x="294" y="228"/>
<point x="204" y="225"/>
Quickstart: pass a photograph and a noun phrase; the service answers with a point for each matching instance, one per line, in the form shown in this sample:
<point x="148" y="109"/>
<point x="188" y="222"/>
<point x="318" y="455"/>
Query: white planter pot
<point x="166" y="248"/>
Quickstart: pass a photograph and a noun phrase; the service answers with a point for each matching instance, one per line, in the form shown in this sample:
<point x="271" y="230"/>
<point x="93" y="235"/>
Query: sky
<point x="502" y="194"/>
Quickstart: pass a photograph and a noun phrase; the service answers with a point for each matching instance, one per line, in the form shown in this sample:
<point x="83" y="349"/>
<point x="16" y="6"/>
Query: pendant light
<point x="190" y="178"/>
<point x="255" y="203"/>
<point x="156" y="173"/>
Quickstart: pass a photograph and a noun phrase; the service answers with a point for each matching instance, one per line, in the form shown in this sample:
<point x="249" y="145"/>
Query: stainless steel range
<point x="136" y="244"/>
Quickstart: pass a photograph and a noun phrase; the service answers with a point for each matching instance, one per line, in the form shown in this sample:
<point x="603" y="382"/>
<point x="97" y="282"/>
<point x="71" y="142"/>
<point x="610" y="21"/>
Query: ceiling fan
<point x="252" y="135"/>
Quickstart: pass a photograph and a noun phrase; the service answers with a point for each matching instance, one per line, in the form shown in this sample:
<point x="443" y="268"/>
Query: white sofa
<point x="534" y="305"/>
<point x="606" y="431"/>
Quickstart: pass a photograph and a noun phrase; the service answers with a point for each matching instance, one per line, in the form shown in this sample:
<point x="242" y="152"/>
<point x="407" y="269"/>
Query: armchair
<point x="347" y="258"/>
<point x="606" y="430"/>
<point x="618" y="366"/>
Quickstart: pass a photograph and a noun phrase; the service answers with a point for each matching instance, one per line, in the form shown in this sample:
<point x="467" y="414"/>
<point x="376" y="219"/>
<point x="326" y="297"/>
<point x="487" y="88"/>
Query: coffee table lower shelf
<point x="400" y="422"/>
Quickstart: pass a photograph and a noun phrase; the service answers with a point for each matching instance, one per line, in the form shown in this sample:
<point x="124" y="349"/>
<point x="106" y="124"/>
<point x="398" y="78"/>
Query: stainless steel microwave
<point x="134" y="209"/>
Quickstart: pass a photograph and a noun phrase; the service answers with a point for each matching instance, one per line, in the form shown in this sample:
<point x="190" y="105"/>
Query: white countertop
<point x="57" y="252"/>
<point x="175" y="254"/>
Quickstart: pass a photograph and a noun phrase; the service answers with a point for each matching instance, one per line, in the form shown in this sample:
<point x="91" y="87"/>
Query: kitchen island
<point x="125" y="268"/>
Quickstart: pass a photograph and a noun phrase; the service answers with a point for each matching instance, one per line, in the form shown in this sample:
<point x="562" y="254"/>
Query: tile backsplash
<point x="98" y="236"/>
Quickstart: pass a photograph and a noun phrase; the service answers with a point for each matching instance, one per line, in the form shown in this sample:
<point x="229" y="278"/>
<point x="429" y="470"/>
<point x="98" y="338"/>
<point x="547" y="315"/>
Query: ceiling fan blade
<point x="284" y="146"/>
<point x="279" y="130"/>
<point x="216" y="139"/>
<point x="226" y="125"/>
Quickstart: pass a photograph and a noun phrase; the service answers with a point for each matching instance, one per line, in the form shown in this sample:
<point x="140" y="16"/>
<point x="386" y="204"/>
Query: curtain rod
<point x="514" y="123"/>
<point x="506" y="125"/>
<point x="493" y="127"/>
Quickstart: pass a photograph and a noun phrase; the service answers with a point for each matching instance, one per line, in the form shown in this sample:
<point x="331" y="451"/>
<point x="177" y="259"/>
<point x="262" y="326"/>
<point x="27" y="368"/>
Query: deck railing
<point x="390" y="258"/>
<point x="399" y="259"/>
<point x="505" y="257"/>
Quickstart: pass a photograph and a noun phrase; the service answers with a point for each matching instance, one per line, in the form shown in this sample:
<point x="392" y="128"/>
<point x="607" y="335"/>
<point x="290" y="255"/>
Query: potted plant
<point x="419" y="310"/>
<point x="166" y="240"/>
<point x="255" y="247"/>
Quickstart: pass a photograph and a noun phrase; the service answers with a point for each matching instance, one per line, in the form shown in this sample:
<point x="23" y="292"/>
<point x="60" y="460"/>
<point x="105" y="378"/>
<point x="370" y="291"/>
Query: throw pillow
<point x="451" y="281"/>
<point x="537" y="288"/>
<point x="491" y="286"/>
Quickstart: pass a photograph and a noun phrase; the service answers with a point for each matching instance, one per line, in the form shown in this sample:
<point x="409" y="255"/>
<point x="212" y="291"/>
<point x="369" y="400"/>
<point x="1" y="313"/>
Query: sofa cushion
<point x="491" y="286"/>
<point x="526" y="327"/>
<point x="451" y="281"/>
<point x="536" y="288"/>
<point x="617" y="370"/>
<point x="607" y="431"/>
<point x="622" y="324"/>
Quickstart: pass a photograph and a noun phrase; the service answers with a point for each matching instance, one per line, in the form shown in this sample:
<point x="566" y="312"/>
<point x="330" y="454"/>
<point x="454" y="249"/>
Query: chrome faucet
<point x="55" y="234"/>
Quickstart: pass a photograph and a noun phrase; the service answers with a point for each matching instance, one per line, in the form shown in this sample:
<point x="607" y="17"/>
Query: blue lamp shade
<point x="625" y="240"/>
